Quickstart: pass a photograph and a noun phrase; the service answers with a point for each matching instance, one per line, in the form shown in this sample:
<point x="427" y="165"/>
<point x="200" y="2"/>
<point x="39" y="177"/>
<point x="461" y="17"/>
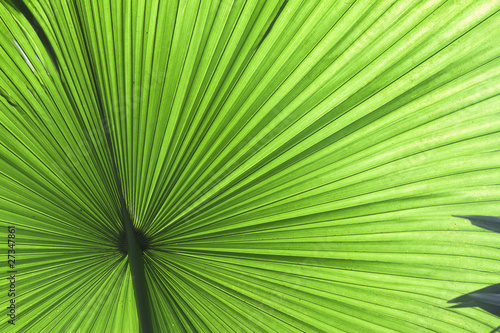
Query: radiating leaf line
<point x="283" y="166"/>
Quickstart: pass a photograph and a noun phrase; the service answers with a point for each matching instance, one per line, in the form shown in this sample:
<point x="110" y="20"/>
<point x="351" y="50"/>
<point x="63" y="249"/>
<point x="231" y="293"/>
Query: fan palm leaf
<point x="249" y="165"/>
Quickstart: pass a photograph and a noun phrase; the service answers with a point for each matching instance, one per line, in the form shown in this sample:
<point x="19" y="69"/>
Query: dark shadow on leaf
<point x="491" y="223"/>
<point x="23" y="9"/>
<point x="487" y="299"/>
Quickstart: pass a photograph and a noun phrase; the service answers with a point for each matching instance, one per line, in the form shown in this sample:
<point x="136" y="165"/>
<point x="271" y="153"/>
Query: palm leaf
<point x="263" y="166"/>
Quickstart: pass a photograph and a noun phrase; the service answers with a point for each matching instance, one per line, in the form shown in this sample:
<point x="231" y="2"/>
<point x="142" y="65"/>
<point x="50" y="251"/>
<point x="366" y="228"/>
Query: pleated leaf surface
<point x="290" y="166"/>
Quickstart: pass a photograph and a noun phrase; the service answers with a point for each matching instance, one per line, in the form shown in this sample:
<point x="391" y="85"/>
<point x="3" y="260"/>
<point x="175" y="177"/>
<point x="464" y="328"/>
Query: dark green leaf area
<point x="143" y="241"/>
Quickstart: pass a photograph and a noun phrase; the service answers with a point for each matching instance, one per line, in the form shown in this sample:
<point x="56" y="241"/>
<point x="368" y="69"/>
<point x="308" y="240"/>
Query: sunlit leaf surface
<point x="288" y="166"/>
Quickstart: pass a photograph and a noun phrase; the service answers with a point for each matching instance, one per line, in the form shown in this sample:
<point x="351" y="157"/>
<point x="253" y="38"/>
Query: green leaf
<point x="249" y="165"/>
